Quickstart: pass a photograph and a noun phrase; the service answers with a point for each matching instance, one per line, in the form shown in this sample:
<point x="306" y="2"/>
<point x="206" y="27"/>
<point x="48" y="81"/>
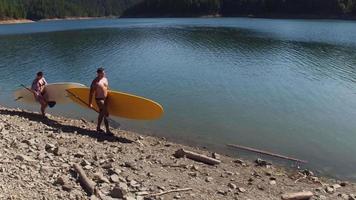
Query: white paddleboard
<point x="54" y="92"/>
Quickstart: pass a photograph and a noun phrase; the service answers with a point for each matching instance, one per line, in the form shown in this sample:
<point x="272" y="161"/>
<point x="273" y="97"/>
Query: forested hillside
<point x="40" y="9"/>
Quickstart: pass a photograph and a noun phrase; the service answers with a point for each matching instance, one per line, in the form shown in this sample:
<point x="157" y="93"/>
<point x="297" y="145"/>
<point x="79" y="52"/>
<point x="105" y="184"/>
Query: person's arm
<point x="91" y="93"/>
<point x="44" y="81"/>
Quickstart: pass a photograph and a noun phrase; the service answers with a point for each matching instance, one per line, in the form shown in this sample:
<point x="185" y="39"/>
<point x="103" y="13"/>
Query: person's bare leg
<point x="106" y="115"/>
<point x="43" y="107"/>
<point x="100" y="120"/>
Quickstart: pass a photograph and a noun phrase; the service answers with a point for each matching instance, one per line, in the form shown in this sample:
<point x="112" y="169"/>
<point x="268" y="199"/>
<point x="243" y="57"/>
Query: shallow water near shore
<point x="287" y="86"/>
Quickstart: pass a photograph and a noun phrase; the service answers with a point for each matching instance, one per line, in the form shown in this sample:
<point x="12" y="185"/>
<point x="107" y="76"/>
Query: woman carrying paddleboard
<point x="100" y="86"/>
<point x="38" y="89"/>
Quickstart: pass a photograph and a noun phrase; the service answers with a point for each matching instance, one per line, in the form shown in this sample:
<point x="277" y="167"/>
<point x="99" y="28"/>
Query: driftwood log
<point x="169" y="191"/>
<point x="87" y="184"/>
<point x="297" y="196"/>
<point x="197" y="157"/>
<point x="266" y="153"/>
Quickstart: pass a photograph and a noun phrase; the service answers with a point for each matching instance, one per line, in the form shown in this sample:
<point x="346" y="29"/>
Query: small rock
<point x="84" y="163"/>
<point x="134" y="183"/>
<point x="329" y="190"/>
<point x="273" y="182"/>
<point x="130" y="165"/>
<point x="60" y="181"/>
<point x="344" y="196"/>
<point x="352" y="197"/>
<point x="67" y="187"/>
<point x="216" y="156"/>
<point x="87" y="167"/>
<point x="30" y="142"/>
<point x="50" y="148"/>
<point x="240" y="162"/>
<point x="262" y="163"/>
<point x="100" y="178"/>
<point x="79" y="155"/>
<point x="92" y="197"/>
<point x="307" y="172"/>
<point x="58" y="151"/>
<point x="24" y="158"/>
<point x="119" y="191"/>
<point x="195" y="168"/>
<point x="230" y="173"/>
<point x="343" y="184"/>
<point x="336" y="186"/>
<point x="193" y="174"/>
<point x="114" y="178"/>
<point x="209" y="179"/>
<point x="241" y="189"/>
<point x="41" y="156"/>
<point x="232" y="186"/>
<point x="107" y="165"/>
<point x="222" y="192"/>
<point x="260" y="187"/>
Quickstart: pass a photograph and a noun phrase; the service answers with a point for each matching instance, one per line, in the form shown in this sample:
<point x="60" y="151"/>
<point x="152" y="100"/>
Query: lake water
<point x="287" y="86"/>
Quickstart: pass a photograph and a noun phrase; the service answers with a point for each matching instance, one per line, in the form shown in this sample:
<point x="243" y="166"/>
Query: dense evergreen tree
<point x="39" y="9"/>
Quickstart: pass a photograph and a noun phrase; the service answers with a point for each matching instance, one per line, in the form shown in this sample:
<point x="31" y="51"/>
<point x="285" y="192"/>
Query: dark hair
<point x="100" y="70"/>
<point x="39" y="73"/>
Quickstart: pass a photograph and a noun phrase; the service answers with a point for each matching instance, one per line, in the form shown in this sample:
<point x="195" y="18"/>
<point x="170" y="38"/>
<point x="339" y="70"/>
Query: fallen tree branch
<point x="197" y="157"/>
<point x="266" y="153"/>
<point x="87" y="184"/>
<point x="169" y="191"/>
<point x="297" y="196"/>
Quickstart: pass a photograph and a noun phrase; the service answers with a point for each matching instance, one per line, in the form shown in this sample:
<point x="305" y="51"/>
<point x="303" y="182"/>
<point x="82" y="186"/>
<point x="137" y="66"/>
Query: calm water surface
<point x="287" y="86"/>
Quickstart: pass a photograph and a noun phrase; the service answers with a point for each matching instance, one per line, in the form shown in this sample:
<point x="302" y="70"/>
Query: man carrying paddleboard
<point x="38" y="89"/>
<point x="99" y="87"/>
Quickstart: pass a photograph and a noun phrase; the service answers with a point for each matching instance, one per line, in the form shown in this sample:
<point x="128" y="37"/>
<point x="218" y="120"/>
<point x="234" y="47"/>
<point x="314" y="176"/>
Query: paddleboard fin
<point x="51" y="104"/>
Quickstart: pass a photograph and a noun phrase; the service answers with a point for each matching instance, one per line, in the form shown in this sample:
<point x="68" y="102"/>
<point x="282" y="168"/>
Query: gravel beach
<point x="62" y="158"/>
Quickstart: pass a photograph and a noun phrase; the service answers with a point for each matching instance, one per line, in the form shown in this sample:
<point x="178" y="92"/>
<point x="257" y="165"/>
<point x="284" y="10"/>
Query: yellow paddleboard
<point x="121" y="104"/>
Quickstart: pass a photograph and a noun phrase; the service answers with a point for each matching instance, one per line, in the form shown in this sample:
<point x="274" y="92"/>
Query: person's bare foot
<point x="109" y="132"/>
<point x="100" y="130"/>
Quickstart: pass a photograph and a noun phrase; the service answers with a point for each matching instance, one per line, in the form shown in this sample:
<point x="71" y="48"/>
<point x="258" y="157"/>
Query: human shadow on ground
<point x="66" y="128"/>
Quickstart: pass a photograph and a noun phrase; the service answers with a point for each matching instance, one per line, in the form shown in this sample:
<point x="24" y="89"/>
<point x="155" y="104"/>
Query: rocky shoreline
<point x="61" y="158"/>
<point x="16" y="21"/>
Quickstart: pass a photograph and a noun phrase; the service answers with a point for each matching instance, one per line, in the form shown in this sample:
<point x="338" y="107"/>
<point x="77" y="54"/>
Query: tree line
<point x="40" y="9"/>
<point x="43" y="9"/>
<point x="315" y="8"/>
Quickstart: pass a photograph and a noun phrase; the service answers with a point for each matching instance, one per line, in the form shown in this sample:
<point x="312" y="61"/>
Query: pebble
<point x="101" y="178"/>
<point x="232" y="186"/>
<point x="114" y="178"/>
<point x="119" y="191"/>
<point x="24" y="158"/>
<point x="241" y="189"/>
<point x="262" y="163"/>
<point x="329" y="190"/>
<point x="336" y="186"/>
<point x="208" y="179"/>
<point x="222" y="192"/>
<point x="58" y="151"/>
<point x="50" y="148"/>
<point x="273" y="182"/>
<point x="344" y="196"/>
<point x="216" y="156"/>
